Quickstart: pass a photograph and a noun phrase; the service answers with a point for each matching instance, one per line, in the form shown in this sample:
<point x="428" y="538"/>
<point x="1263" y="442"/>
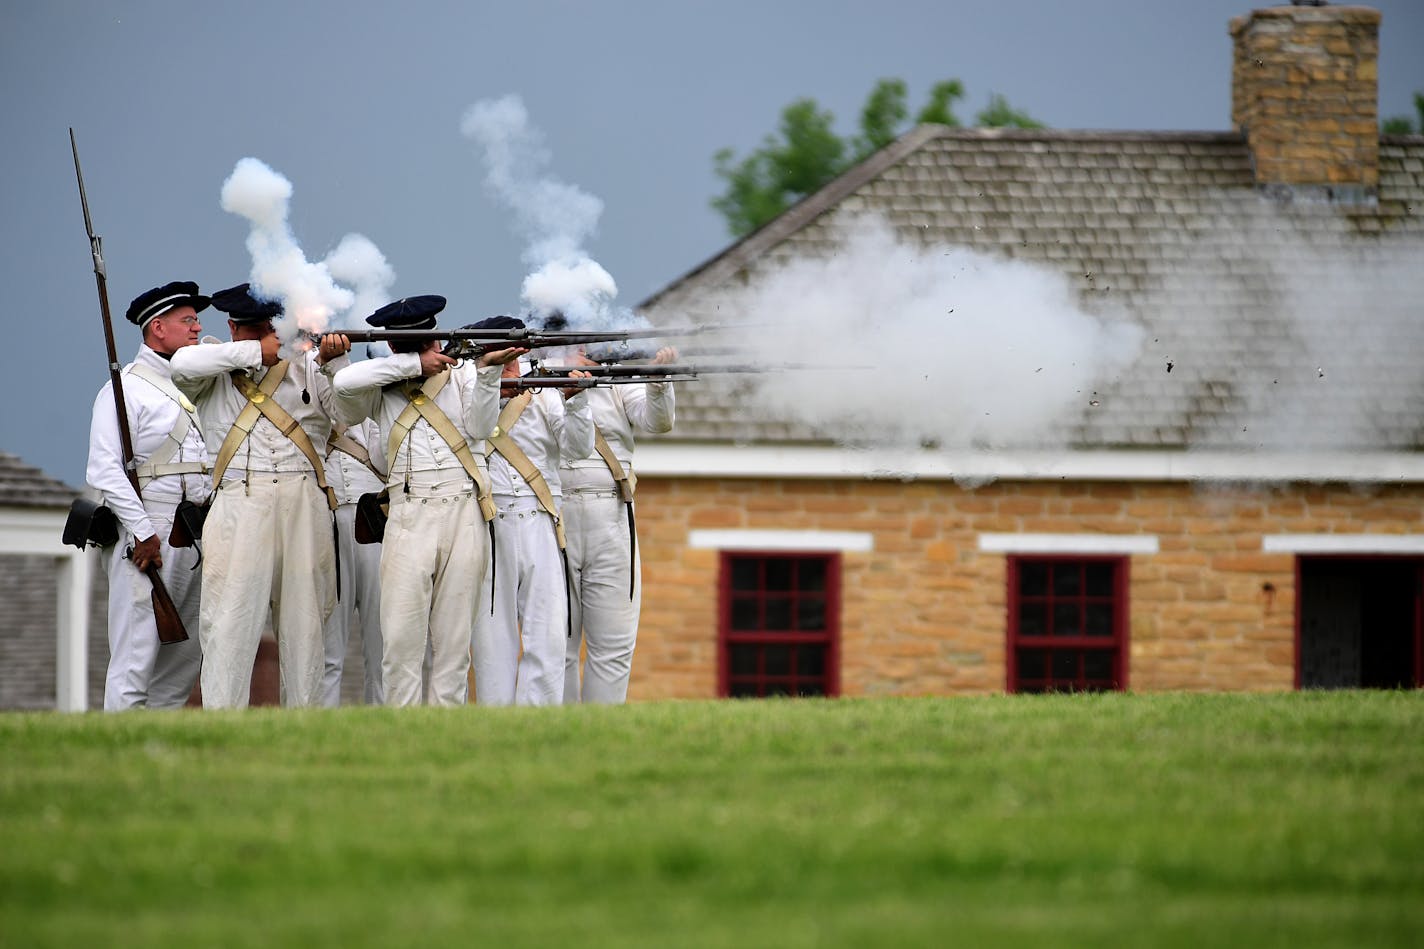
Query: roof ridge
<point x="804" y="212"/>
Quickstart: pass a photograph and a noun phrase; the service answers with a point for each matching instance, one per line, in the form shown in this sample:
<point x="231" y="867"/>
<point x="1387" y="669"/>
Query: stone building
<point x="1235" y="508"/>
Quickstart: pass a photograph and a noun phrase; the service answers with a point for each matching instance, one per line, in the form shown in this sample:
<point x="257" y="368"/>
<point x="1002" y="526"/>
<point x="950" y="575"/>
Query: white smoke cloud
<point x="1311" y="334"/>
<point x="359" y="264"/>
<point x="924" y="345"/>
<point x="555" y="219"/>
<point x="280" y="271"/>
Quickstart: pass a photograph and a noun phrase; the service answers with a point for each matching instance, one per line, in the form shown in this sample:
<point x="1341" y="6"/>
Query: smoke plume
<point x="553" y="218"/>
<point x="922" y="345"/>
<point x="311" y="298"/>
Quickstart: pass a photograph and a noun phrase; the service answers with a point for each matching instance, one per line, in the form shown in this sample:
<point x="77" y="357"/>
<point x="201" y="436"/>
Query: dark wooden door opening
<point x="1359" y="623"/>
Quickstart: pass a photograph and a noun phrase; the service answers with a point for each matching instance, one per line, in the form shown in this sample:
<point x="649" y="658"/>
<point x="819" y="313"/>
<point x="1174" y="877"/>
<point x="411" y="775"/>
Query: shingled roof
<point x="1169" y="227"/>
<point x="23" y="485"/>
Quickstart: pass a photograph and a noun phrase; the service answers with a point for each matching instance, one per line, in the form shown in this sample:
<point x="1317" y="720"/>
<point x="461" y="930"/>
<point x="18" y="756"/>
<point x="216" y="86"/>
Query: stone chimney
<point x="1305" y="92"/>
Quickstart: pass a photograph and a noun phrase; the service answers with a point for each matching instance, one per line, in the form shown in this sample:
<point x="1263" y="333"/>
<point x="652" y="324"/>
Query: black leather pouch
<point x="372" y="512"/>
<point x="188" y="521"/>
<point x="90" y="522"/>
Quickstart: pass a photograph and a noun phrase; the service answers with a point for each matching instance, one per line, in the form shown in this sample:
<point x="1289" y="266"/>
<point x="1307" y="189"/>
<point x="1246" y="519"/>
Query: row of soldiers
<point x="510" y="539"/>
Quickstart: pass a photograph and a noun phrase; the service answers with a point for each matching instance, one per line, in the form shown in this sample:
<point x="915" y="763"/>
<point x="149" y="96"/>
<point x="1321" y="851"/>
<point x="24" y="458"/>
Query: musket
<point x="471" y="344"/>
<point x="688" y="370"/>
<point x="165" y="614"/>
<point x="541" y="381"/>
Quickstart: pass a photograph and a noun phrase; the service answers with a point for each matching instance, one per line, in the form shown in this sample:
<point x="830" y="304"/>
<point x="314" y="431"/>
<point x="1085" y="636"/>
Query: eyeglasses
<point x="186" y="321"/>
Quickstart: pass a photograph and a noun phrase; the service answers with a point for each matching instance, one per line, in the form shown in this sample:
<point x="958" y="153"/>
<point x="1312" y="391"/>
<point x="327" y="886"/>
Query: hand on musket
<point x="500" y="357"/>
<point x="147" y="553"/>
<point x="571" y="391"/>
<point x="331" y="346"/>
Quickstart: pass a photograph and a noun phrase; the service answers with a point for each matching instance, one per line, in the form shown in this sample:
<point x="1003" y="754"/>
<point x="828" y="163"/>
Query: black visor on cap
<point x="159" y="300"/>
<point x="243" y="308"/>
<point x="497" y="323"/>
<point x="411" y="313"/>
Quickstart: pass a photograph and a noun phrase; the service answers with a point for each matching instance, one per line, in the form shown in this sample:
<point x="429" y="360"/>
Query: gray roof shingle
<point x="1168" y="227"/>
<point x="23" y="485"/>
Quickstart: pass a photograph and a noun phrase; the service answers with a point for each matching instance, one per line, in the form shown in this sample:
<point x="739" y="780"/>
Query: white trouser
<point x="359" y="606"/>
<point x="519" y="651"/>
<point x="143" y="672"/>
<point x="266" y="548"/>
<point x="433" y="560"/>
<point x="596" y="524"/>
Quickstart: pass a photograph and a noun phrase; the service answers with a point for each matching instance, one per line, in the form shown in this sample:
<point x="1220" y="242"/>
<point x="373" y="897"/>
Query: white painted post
<point x="72" y="633"/>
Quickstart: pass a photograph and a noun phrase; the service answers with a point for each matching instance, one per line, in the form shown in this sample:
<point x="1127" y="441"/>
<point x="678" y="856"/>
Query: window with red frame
<point x="779" y="624"/>
<point x="1067" y="624"/>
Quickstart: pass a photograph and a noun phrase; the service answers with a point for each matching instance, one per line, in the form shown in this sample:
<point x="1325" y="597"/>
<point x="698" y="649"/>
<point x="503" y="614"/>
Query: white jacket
<point x="470" y="399"/>
<point x="617" y="411"/>
<point x="152" y="415"/>
<point x="201" y="372"/>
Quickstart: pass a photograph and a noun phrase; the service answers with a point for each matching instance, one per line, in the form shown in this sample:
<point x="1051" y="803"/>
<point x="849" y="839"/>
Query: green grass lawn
<point x="1243" y="820"/>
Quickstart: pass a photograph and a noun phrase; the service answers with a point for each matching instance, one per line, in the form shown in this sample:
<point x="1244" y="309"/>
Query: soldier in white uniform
<point x="354" y="464"/>
<point x="519" y="648"/>
<point x="268" y="537"/>
<point x="172" y="464"/>
<point x="432" y="414"/>
<point x="604" y="567"/>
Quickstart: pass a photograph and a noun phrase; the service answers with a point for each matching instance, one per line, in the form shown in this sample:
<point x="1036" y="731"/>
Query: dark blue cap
<point x="497" y="323"/>
<point x="160" y="300"/>
<point x="412" y="313"/>
<point x="243" y="308"/>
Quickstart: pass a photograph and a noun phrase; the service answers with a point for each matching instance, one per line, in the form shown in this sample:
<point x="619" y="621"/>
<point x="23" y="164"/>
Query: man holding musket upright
<point x="267" y="541"/>
<point x="172" y="464"/>
<point x="432" y="414"/>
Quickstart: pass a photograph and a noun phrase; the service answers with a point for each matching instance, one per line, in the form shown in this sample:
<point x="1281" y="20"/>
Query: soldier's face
<point x="175" y="329"/>
<point x="243" y="331"/>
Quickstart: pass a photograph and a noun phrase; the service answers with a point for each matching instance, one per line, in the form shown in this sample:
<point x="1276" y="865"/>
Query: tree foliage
<point x="805" y="152"/>
<point x="1401" y="124"/>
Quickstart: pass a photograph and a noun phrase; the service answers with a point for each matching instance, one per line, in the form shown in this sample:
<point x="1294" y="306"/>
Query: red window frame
<point x="1073" y="661"/>
<point x="765" y="641"/>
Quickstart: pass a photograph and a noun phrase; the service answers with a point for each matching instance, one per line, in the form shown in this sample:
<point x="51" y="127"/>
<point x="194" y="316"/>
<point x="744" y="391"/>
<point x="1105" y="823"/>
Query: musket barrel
<point x="168" y="621"/>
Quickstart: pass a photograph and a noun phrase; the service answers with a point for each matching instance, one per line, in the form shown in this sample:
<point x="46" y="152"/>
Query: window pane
<point x="1100" y="617"/>
<point x="810" y="660"/>
<point x="1033" y="579"/>
<point x="1097" y="666"/>
<point x="744" y="660"/>
<point x="1067" y="619"/>
<point x="745" y="574"/>
<point x="742" y="689"/>
<point x="812" y="575"/>
<point x="744" y="613"/>
<point x="1033" y="619"/>
<point x="1065" y="665"/>
<point x="778" y="613"/>
<point x="810" y="688"/>
<point x="811" y="613"/>
<point x="1067" y="579"/>
<point x="1100" y="578"/>
<point x="778" y="688"/>
<point x="778" y="574"/>
<point x="1033" y="663"/>
<point x="777" y="659"/>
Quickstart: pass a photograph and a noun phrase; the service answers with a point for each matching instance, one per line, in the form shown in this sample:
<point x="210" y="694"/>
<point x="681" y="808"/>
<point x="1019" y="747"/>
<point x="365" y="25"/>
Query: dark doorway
<point x="1360" y="622"/>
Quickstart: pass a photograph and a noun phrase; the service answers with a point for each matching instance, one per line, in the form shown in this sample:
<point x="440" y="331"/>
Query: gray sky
<point x="358" y="103"/>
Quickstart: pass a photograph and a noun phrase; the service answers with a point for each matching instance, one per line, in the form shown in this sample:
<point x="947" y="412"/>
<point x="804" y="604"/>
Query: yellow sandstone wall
<point x="924" y="612"/>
